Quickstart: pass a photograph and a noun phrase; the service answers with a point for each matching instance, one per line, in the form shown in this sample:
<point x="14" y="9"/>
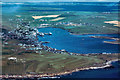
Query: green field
<point x="91" y="22"/>
<point x="51" y="63"/>
<point x="47" y="62"/>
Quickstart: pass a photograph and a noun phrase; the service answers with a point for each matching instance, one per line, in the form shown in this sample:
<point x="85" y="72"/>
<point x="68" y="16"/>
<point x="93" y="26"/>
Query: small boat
<point x="50" y="33"/>
<point x="41" y="34"/>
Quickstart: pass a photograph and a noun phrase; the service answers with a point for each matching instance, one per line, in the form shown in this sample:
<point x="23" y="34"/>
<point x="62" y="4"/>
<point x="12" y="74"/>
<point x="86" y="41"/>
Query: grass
<point x="46" y="62"/>
<point x="49" y="62"/>
<point x="76" y="17"/>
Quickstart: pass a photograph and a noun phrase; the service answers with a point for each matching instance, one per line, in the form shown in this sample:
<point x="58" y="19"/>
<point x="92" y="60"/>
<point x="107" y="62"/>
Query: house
<point x="12" y="58"/>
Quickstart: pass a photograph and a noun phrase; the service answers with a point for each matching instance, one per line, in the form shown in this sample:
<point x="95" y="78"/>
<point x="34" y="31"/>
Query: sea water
<point x="97" y="73"/>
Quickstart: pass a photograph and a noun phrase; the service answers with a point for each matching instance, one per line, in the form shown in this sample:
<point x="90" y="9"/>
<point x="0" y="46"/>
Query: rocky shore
<point x="53" y="75"/>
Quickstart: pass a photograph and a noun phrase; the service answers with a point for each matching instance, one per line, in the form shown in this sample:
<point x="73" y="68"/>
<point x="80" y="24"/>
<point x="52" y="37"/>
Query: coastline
<point x="53" y="75"/>
<point x="29" y="60"/>
<point x="112" y="42"/>
<point x="92" y="33"/>
<point x="102" y="65"/>
<point x="72" y="33"/>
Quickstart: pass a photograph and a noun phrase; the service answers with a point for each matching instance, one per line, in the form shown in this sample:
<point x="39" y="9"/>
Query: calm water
<point x="62" y="39"/>
<point x="67" y="6"/>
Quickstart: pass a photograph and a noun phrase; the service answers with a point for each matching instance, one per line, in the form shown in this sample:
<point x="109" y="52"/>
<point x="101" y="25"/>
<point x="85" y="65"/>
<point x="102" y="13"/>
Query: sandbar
<point x="112" y="42"/>
<point x="116" y="23"/>
<point x="57" y="19"/>
<point x="38" y="17"/>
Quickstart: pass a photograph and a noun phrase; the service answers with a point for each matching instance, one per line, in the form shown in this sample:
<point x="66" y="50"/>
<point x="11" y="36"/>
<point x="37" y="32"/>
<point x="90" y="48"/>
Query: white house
<point x="12" y="58"/>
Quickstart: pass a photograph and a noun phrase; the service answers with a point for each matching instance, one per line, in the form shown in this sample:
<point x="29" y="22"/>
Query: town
<point x="28" y="38"/>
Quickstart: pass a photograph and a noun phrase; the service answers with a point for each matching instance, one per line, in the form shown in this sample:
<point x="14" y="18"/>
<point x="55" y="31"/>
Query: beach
<point x="57" y="19"/>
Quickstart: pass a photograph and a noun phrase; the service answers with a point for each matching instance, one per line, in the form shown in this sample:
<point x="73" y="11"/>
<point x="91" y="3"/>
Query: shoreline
<point x="111" y="42"/>
<point x="72" y="33"/>
<point x="31" y="60"/>
<point x="54" y="75"/>
<point x="102" y="65"/>
<point x="91" y="33"/>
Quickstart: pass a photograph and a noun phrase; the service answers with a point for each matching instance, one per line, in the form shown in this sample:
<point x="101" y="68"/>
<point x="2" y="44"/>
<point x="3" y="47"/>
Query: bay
<point x="62" y="39"/>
